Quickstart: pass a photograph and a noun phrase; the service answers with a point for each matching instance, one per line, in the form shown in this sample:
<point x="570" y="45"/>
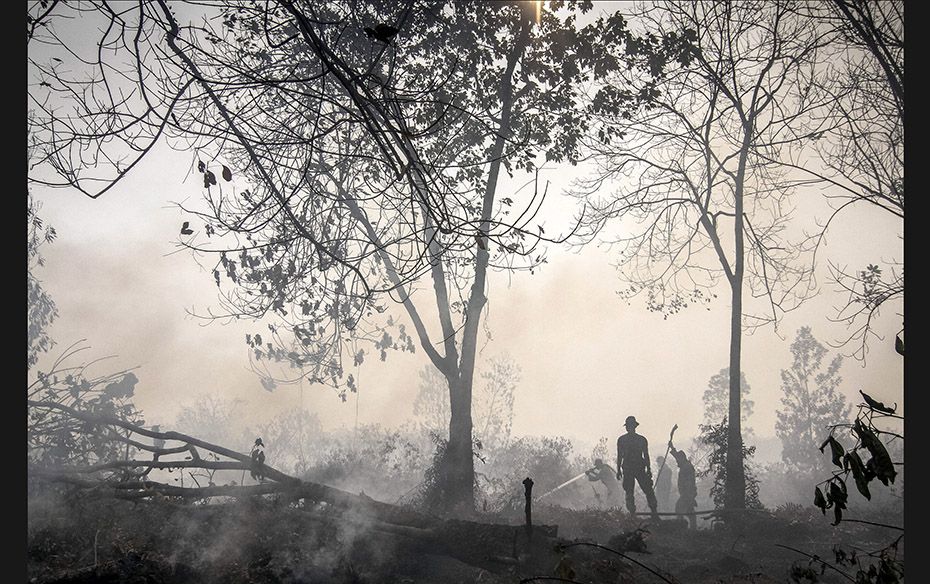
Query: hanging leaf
<point x="899" y="345"/>
<point x="877" y="405"/>
<point x="820" y="501"/>
<point x="837" y="515"/>
<point x="859" y="474"/>
<point x="868" y="438"/>
<point x="227" y="174"/>
<point x="201" y="166"/>
<point x="880" y="463"/>
<point x="838" y="493"/>
<point x="836" y="450"/>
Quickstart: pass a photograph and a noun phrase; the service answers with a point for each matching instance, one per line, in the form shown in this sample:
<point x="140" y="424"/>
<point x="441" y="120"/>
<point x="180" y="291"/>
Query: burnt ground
<point x="79" y="539"/>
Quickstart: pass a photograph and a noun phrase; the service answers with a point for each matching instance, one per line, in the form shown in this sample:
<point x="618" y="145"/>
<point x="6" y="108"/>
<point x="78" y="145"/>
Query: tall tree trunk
<point x="735" y="488"/>
<point x="458" y="464"/>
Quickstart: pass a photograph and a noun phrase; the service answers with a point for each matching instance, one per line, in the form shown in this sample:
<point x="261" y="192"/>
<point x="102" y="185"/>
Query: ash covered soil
<point x="78" y="539"/>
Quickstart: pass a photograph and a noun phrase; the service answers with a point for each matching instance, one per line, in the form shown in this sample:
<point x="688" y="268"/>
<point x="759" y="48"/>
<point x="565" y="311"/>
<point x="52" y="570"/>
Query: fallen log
<point x="147" y="489"/>
<point x="203" y="464"/>
<point x="267" y="471"/>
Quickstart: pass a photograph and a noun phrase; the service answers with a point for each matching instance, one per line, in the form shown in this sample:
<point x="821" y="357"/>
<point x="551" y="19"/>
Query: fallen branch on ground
<point x="137" y="487"/>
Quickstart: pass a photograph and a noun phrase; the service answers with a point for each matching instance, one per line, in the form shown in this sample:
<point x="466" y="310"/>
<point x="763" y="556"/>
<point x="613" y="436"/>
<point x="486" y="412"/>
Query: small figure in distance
<point x="258" y="458"/>
<point x="605" y="474"/>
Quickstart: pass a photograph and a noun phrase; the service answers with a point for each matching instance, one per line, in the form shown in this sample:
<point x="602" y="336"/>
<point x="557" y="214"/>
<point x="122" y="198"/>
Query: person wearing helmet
<point x="633" y="466"/>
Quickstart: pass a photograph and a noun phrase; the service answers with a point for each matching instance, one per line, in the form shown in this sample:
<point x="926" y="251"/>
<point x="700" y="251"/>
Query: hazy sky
<point x="588" y="358"/>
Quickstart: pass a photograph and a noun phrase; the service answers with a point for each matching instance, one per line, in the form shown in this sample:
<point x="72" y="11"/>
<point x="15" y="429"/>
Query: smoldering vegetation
<point x="87" y="535"/>
<point x="270" y="540"/>
<point x="353" y="205"/>
<point x="394" y="464"/>
<point x="114" y="498"/>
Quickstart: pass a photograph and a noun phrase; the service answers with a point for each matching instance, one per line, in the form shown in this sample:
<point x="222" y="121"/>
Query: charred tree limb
<point x="204" y="464"/>
<point x="145" y="489"/>
<point x="285" y="483"/>
<point x="268" y="471"/>
<point x="153" y="449"/>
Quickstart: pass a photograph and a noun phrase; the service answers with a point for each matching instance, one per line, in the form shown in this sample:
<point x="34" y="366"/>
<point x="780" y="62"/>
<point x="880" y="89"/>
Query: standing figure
<point x="633" y="466"/>
<point x="606" y="475"/>
<point x="258" y="458"/>
<point x="687" y="489"/>
<point x="663" y="483"/>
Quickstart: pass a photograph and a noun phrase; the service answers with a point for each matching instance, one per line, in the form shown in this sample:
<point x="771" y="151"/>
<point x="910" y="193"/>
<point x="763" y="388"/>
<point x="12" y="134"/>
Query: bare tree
<point x="860" y="154"/>
<point x="868" y="150"/>
<point x="703" y="196"/>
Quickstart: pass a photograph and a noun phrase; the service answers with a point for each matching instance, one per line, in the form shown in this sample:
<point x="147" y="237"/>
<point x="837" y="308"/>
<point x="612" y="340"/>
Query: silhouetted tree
<point x="361" y="166"/>
<point x="54" y="437"/>
<point x="703" y="193"/>
<point x="811" y="403"/>
<point x="716" y="436"/>
<point x="716" y="398"/>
